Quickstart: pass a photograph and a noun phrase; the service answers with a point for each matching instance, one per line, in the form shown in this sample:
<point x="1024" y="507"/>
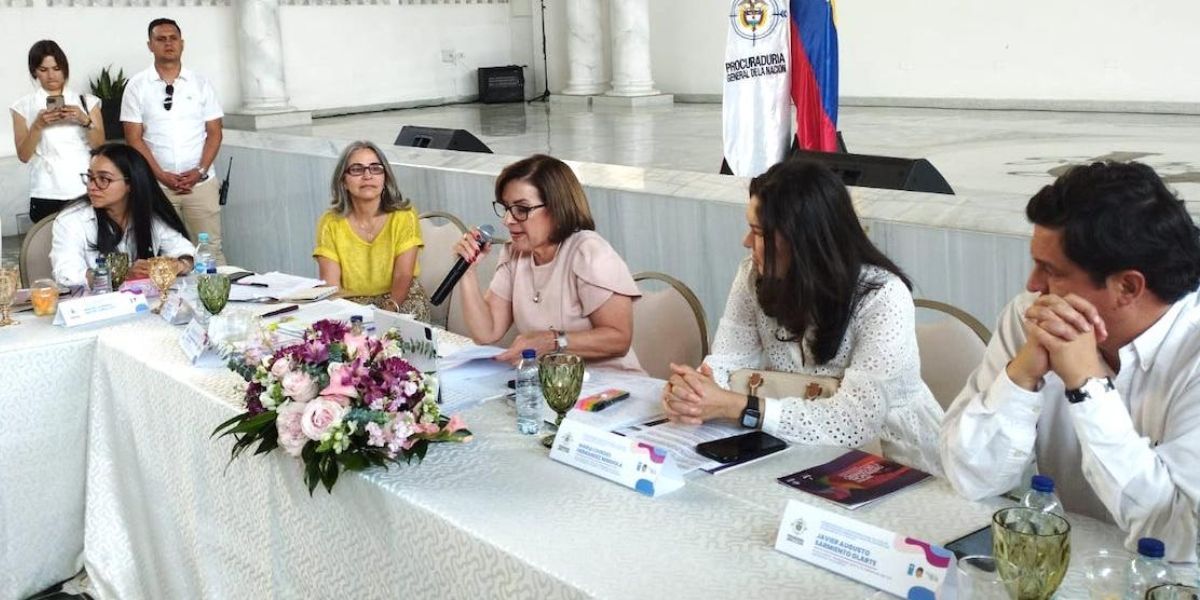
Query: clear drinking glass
<point x="979" y="578"/>
<point x="1173" y="591"/>
<point x="1034" y="549"/>
<point x="44" y="297"/>
<point x="561" y="376"/>
<point x="1107" y="574"/>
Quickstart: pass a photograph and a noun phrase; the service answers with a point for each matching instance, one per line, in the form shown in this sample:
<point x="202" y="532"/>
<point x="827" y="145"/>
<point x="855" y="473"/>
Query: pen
<point x="282" y="311"/>
<point x="262" y="285"/>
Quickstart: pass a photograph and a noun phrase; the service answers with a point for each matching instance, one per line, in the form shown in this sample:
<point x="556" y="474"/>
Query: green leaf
<point x="352" y="461"/>
<point x="236" y="419"/>
<point x="256" y="422"/>
<point x="330" y="471"/>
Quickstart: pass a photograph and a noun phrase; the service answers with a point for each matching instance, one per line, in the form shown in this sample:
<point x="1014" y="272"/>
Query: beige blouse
<point x="564" y="292"/>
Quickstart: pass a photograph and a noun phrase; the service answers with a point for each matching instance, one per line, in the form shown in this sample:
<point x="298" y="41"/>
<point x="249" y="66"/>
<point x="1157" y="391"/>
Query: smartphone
<point x="235" y="277"/>
<point x="55" y="102"/>
<point x="741" y="448"/>
<point x="977" y="542"/>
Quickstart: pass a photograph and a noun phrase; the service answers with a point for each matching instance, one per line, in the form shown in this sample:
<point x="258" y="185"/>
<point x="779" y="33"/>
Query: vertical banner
<point x="815" y="74"/>
<point x="756" y="110"/>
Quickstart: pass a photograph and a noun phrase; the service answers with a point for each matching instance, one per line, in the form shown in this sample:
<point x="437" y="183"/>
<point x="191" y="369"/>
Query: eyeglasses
<point x="102" y="181"/>
<point x="519" y="212"/>
<point x="170" y="99"/>
<point x="357" y="170"/>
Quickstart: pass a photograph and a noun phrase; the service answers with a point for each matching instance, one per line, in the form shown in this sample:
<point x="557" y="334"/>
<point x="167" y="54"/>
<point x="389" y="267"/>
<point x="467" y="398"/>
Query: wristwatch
<point x="751" y="415"/>
<point x="560" y="339"/>
<point x="1092" y="387"/>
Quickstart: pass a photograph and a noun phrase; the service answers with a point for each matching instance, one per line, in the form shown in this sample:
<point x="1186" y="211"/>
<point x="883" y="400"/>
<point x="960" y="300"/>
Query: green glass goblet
<point x="1037" y="545"/>
<point x="118" y="268"/>
<point x="213" y="289"/>
<point x="561" y="376"/>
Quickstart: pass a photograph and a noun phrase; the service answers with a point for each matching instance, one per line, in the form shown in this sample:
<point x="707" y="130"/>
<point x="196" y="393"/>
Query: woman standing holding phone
<point x="54" y="130"/>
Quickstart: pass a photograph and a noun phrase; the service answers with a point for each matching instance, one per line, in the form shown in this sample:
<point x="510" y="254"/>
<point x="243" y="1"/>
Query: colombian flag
<point x="815" y="74"/>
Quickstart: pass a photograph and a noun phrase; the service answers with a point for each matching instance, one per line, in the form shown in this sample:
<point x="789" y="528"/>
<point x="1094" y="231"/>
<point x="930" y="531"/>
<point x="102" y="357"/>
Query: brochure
<point x="854" y="479"/>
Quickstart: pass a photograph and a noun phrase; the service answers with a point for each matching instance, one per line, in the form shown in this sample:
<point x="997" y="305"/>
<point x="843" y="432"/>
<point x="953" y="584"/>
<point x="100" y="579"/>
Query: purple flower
<point x="313" y="351"/>
<point x="253" y="404"/>
<point x="329" y="331"/>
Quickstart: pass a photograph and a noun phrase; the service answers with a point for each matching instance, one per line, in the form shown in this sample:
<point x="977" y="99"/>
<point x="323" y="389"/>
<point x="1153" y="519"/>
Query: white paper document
<point x="681" y="440"/>
<point x="271" y="285"/>
<point x="296" y="322"/>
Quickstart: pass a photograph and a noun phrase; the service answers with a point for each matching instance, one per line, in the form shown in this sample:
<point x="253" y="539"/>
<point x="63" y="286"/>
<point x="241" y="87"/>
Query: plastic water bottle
<point x="1148" y="569"/>
<point x="206" y="257"/>
<point x="101" y="278"/>
<point x="529" y="394"/>
<point x="356" y="323"/>
<point x="1041" y="496"/>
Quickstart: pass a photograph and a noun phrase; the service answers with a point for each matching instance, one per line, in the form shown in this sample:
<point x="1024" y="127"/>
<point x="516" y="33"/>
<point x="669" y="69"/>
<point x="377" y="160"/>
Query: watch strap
<point x="752" y="414"/>
<point x="1084" y="391"/>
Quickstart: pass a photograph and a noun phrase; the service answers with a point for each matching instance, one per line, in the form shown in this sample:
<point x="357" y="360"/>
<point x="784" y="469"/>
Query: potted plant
<point x="110" y="89"/>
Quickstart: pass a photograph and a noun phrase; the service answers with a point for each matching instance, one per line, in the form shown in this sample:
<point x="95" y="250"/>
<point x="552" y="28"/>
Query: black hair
<point x="806" y="215"/>
<point x="145" y="202"/>
<point x="43" y="48"/>
<point x="1116" y="216"/>
<point x="162" y="21"/>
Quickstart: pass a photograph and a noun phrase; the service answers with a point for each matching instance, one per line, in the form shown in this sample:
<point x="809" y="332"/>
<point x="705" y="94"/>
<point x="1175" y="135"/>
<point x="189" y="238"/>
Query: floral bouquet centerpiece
<point x="339" y="399"/>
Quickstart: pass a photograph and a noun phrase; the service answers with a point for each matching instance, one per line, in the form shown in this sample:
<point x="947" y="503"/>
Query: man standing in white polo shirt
<point x="172" y="116"/>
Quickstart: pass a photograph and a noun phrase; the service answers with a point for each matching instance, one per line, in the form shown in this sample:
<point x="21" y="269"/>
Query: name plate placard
<point x="103" y="307"/>
<point x="629" y="462"/>
<point x="197" y="347"/>
<point x="884" y="560"/>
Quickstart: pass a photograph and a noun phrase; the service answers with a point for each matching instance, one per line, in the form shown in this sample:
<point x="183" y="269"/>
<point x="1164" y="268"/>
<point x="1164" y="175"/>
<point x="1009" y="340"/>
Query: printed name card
<point x="103" y="307"/>
<point x="197" y="347"/>
<point x="896" y="564"/>
<point x="629" y="462"/>
<point x="176" y="311"/>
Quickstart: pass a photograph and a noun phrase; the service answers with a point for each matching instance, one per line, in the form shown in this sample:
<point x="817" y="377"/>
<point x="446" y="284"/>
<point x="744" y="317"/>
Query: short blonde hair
<point x="559" y="188"/>
<point x="340" y="203"/>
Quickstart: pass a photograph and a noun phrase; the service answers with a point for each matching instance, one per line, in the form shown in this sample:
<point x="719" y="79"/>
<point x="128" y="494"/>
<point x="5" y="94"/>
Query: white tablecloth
<point x="166" y="517"/>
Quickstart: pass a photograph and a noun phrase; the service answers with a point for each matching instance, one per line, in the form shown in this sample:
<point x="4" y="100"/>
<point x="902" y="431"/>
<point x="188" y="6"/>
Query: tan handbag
<point x="779" y="384"/>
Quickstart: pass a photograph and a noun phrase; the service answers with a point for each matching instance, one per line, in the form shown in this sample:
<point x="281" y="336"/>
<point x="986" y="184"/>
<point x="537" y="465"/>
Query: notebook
<point x="855" y="479"/>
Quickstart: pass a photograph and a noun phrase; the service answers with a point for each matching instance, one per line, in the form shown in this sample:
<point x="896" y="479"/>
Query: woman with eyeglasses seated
<point x="125" y="212"/>
<point x="562" y="284"/>
<point x="816" y="297"/>
<point x="368" y="240"/>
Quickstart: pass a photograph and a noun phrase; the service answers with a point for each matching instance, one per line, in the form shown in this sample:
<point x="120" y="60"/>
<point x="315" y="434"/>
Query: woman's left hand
<point x="140" y="269"/>
<point x="543" y="342"/>
<point x="692" y="397"/>
<point x="75" y="115"/>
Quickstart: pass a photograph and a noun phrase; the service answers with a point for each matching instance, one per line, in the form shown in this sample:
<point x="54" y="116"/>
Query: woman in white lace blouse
<point x="812" y="270"/>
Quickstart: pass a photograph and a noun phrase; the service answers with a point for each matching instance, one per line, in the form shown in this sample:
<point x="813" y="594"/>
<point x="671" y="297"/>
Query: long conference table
<point x="106" y="462"/>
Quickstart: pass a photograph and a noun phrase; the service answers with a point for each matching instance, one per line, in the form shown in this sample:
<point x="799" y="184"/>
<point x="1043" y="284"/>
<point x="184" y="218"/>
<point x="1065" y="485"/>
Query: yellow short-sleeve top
<point x="367" y="267"/>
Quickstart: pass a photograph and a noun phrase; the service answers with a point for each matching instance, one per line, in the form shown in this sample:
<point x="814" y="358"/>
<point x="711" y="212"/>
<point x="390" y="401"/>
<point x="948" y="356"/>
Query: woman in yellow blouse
<point x="368" y="240"/>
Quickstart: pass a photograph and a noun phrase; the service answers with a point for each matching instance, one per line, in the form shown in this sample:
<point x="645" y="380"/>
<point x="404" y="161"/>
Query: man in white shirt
<point x="172" y="116"/>
<point x="1095" y="373"/>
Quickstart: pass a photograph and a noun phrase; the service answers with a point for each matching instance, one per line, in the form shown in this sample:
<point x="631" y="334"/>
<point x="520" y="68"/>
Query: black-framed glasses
<point x="519" y="212"/>
<point x="169" y="101"/>
<point x="102" y="181"/>
<point x="357" y="170"/>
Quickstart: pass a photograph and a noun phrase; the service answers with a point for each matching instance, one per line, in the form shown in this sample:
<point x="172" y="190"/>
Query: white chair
<point x="668" y="325"/>
<point x="951" y="348"/>
<point x="34" y="260"/>
<point x="438" y="257"/>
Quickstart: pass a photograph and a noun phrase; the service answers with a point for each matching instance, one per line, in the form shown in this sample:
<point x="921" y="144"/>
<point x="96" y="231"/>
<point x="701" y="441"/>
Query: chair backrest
<point x="951" y="348"/>
<point x="34" y="260"/>
<point x="669" y="325"/>
<point x="438" y="257"/>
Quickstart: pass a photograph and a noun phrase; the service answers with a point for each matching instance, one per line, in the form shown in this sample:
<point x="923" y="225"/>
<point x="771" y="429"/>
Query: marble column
<point x="585" y="50"/>
<point x="630" y="24"/>
<point x="260" y="67"/>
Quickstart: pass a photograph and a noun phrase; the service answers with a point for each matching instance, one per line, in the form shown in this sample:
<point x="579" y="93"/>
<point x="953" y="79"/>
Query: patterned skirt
<point x="417" y="303"/>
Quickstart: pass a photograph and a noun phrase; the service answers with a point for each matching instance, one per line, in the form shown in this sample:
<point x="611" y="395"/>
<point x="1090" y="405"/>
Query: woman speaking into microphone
<point x="562" y="284"/>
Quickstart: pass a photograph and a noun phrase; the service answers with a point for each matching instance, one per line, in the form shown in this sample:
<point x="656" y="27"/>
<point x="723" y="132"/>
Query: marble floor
<point x="992" y="155"/>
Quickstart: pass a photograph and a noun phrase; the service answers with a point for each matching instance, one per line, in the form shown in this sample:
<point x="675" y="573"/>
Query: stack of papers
<point x="296" y="322"/>
<point x="280" y="286"/>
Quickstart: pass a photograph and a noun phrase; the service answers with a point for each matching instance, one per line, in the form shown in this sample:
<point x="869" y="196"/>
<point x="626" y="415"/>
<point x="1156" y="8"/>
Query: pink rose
<point x="319" y="416"/>
<point x="280" y="367"/>
<point x="291" y="436"/>
<point x="299" y="386"/>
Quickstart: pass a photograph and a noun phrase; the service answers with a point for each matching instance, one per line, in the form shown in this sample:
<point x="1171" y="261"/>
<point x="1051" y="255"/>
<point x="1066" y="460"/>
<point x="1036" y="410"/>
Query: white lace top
<point x="881" y="395"/>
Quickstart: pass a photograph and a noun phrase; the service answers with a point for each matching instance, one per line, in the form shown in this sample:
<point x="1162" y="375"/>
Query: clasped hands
<point x="181" y="183"/>
<point x="692" y="397"/>
<point x="1062" y="334"/>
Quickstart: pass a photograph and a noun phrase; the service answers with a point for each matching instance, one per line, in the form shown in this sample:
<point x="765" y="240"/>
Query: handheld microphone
<point x="484" y="237"/>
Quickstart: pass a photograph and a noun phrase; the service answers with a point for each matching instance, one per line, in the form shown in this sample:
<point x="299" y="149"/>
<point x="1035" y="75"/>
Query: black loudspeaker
<point x="439" y="138"/>
<point x="885" y="172"/>
<point x="501" y="84"/>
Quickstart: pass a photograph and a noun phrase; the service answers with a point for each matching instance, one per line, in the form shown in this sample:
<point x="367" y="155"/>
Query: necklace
<point x="537" y="288"/>
<point x="369" y="230"/>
